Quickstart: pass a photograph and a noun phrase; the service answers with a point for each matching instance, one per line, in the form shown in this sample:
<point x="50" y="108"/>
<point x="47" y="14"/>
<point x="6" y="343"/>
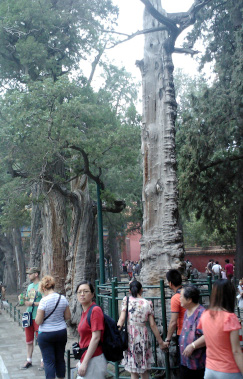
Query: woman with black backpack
<point x="92" y="363"/>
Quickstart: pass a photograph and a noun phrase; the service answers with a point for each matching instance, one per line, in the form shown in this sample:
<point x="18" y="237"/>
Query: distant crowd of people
<point x="214" y="268"/>
<point x="132" y="268"/>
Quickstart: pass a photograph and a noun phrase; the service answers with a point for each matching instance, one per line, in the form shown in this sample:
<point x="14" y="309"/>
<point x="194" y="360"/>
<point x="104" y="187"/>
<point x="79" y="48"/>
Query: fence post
<point x="163" y="307"/>
<point x="68" y="365"/>
<point x="19" y="317"/>
<point x="113" y="294"/>
<point x="209" y="279"/>
<point x="97" y="291"/>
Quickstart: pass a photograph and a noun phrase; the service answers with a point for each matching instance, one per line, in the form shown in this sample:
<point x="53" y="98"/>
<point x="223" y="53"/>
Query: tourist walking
<point x="32" y="299"/>
<point x="224" y="359"/>
<point x="191" y="341"/>
<point x="138" y="357"/>
<point x="92" y="363"/>
<point x="52" y="313"/>
<point x="229" y="269"/>
<point x="217" y="269"/>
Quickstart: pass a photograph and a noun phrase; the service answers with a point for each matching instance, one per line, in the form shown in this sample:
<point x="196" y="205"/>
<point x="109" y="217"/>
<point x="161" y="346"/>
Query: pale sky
<point x="131" y="20"/>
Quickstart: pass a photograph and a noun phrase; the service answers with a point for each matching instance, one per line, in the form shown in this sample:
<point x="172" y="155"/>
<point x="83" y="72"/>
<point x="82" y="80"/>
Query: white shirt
<point x="216" y="269"/>
<point x="56" y="321"/>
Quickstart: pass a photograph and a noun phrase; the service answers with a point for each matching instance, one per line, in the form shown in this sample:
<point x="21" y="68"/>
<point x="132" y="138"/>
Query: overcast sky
<point x="131" y="20"/>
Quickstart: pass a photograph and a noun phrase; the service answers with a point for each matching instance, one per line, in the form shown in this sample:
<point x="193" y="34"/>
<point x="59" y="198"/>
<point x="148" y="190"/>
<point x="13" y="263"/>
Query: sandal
<point x="27" y="365"/>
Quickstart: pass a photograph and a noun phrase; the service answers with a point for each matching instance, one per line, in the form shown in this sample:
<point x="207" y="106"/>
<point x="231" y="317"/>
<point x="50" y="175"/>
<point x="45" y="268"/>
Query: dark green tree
<point x="210" y="133"/>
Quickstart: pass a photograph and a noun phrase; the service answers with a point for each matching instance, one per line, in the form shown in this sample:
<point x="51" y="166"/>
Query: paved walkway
<point x="13" y="351"/>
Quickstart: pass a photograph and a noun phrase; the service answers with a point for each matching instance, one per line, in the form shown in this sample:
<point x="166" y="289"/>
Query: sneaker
<point x="26" y="365"/>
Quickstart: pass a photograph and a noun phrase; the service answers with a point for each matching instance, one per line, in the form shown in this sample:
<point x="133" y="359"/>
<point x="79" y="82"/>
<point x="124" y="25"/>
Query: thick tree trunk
<point x="83" y="243"/>
<point x="19" y="258"/>
<point x="9" y="275"/>
<point x="239" y="244"/>
<point x="161" y="244"/>
<point x="55" y="238"/>
<point x="36" y="228"/>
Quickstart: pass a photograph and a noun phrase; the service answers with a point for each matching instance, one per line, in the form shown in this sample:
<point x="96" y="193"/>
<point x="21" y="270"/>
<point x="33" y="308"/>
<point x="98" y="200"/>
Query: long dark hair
<point x="91" y="287"/>
<point x="223" y="295"/>
<point x="135" y="288"/>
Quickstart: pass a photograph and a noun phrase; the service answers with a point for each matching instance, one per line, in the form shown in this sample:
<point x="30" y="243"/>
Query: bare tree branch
<point x="184" y="50"/>
<point x="219" y="161"/>
<point x="170" y="24"/>
<point x="95" y="63"/>
<point x="86" y="169"/>
<point x="185" y="19"/>
<point x="119" y="205"/>
<point x="139" y="32"/>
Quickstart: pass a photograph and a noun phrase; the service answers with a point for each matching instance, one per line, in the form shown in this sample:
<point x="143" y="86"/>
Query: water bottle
<point x="21" y="299"/>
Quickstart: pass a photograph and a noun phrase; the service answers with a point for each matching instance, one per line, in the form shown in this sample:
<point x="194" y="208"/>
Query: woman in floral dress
<point x="138" y="357"/>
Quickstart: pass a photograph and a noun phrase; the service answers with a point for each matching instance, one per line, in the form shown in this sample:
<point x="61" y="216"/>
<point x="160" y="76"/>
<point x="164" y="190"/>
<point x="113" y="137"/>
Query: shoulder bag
<point x="123" y="331"/>
<point x="27" y="316"/>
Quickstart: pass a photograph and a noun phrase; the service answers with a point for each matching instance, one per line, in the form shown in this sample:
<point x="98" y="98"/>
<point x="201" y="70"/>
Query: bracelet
<point x="193" y="345"/>
<point x="166" y="340"/>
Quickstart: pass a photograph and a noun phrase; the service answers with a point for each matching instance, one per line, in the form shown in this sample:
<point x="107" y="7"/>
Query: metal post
<point x="209" y="279"/>
<point x="68" y="364"/>
<point x="97" y="292"/>
<point x="163" y="306"/>
<point x="113" y="294"/>
<point x="100" y="236"/>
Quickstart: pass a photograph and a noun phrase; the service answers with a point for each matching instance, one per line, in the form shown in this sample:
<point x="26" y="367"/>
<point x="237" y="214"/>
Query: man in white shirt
<point x="217" y="269"/>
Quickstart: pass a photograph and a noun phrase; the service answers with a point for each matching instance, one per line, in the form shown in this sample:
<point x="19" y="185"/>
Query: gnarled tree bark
<point x="161" y="244"/>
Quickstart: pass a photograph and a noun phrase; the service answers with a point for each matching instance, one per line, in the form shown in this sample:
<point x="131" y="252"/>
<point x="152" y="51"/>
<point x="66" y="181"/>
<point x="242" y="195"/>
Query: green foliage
<point x="46" y="38"/>
<point x="52" y="125"/>
<point x="209" y="130"/>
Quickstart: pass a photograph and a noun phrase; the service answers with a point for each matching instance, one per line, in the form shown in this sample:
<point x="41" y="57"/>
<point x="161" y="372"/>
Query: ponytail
<point x="135" y="288"/>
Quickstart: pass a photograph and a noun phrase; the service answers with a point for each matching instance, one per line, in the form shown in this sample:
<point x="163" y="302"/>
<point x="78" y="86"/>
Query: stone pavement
<point x="13" y="351"/>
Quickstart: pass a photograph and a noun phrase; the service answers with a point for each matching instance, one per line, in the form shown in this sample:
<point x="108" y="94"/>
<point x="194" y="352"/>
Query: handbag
<point x="27" y="316"/>
<point x="77" y="350"/>
<point x="123" y="331"/>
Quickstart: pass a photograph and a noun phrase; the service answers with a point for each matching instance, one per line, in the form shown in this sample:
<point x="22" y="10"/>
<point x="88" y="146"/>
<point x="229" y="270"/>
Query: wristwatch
<point x="166" y="340"/>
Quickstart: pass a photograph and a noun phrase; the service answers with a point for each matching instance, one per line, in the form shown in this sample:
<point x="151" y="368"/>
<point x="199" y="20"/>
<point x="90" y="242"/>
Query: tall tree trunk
<point x="161" y="244"/>
<point x="36" y="228"/>
<point x="9" y="275"/>
<point x="83" y="243"/>
<point x="19" y="258"/>
<point x="239" y="244"/>
<point x="55" y="238"/>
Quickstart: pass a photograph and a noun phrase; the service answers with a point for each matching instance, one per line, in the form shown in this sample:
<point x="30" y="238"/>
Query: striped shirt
<point x="56" y="320"/>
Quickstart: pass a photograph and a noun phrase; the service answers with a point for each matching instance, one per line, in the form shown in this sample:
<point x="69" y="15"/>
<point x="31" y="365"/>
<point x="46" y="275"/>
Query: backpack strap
<point x="89" y="313"/>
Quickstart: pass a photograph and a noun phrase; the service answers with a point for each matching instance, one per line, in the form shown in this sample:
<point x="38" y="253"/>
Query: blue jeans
<point x="211" y="374"/>
<point x="52" y="345"/>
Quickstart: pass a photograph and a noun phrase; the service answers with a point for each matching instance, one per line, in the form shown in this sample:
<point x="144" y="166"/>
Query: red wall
<point x="131" y="249"/>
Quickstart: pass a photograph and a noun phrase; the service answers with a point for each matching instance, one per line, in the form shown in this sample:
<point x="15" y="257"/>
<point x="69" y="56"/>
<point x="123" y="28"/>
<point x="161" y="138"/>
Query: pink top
<point x="216" y="326"/>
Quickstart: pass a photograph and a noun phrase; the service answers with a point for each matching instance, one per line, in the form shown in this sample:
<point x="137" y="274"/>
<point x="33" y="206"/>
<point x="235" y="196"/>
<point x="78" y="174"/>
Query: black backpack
<point x="112" y="345"/>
